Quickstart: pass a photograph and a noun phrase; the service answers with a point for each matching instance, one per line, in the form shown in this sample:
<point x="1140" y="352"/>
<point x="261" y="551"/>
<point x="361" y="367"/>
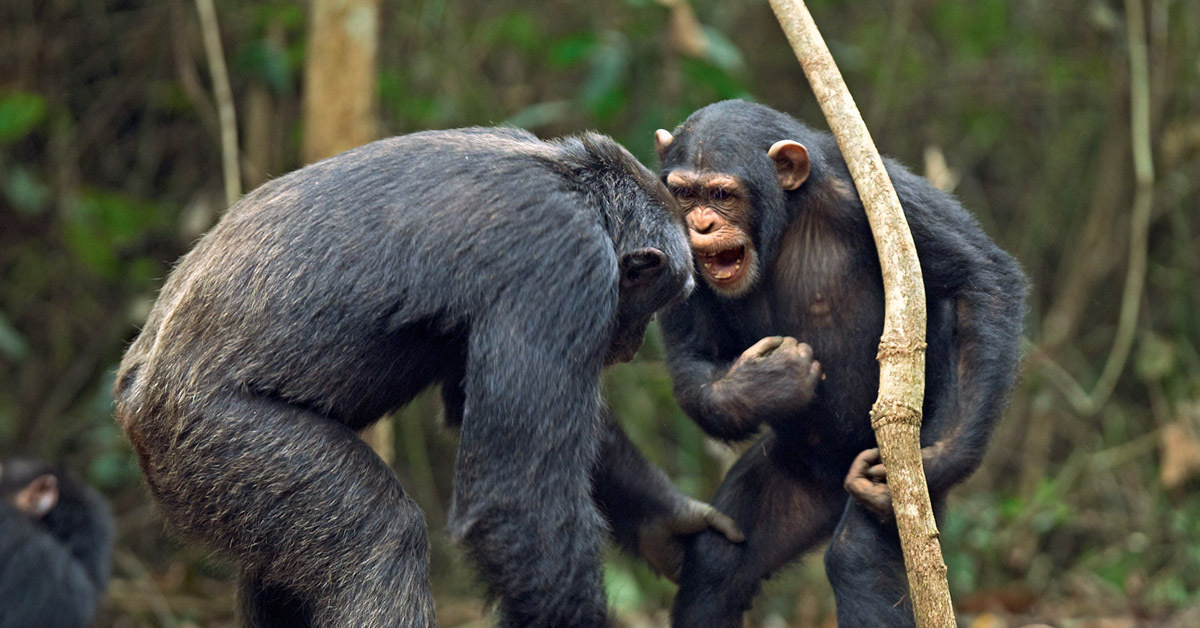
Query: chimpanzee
<point x="786" y="254"/>
<point x="506" y="269"/>
<point x="55" y="547"/>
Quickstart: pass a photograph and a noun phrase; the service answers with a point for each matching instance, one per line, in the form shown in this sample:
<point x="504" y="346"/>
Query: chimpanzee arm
<point x="530" y="429"/>
<point x="771" y="380"/>
<point x="41" y="582"/>
<point x="986" y="290"/>
<point x="647" y="514"/>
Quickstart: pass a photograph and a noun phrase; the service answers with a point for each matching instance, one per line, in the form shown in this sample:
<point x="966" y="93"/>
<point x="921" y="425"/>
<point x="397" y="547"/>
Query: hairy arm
<point x="647" y="514"/>
<point x="985" y="291"/>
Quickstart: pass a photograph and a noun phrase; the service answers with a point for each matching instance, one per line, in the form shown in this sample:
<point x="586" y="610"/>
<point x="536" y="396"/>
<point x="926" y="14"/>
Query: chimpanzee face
<point x="719" y="210"/>
<point x="716" y="210"/>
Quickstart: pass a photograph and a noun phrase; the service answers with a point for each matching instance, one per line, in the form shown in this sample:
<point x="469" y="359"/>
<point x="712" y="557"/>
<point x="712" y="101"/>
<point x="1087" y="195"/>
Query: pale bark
<point x="896" y="416"/>
<point x="226" y="112"/>
<point x="340" y="105"/>
<point x="340" y="77"/>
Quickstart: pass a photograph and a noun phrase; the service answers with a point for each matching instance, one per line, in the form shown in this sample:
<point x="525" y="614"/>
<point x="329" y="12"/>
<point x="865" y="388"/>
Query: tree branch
<point x="226" y="112"/>
<point x="896" y="415"/>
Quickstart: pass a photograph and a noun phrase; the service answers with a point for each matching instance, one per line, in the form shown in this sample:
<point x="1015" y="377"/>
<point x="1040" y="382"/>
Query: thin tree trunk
<point x="896" y="416"/>
<point x="340" y="105"/>
<point x="226" y="112"/>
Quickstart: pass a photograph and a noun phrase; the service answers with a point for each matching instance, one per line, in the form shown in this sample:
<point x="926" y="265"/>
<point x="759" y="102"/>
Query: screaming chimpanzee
<point x="506" y="269"/>
<point x="55" y="544"/>
<point x="785" y="251"/>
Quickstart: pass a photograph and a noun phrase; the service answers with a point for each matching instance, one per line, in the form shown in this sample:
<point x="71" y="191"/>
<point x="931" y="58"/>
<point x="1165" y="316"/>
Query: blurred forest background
<point x="1085" y="512"/>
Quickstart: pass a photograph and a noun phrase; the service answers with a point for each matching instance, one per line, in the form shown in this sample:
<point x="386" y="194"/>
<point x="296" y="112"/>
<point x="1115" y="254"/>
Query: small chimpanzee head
<point x="651" y="277"/>
<point x="729" y="166"/>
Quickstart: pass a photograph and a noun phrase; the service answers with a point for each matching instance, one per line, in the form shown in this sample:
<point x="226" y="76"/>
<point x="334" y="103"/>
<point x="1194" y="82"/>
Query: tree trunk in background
<point x="340" y="77"/>
<point x="340" y="104"/>
<point x="896" y="416"/>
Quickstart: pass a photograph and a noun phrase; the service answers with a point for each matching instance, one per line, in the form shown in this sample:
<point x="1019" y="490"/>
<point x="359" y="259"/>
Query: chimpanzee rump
<point x="791" y="276"/>
<point x="55" y="547"/>
<point x="506" y="269"/>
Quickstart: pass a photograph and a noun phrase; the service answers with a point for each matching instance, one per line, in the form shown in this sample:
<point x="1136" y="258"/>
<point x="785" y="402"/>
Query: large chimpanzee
<point x="785" y="251"/>
<point x="55" y="547"/>
<point x="506" y="269"/>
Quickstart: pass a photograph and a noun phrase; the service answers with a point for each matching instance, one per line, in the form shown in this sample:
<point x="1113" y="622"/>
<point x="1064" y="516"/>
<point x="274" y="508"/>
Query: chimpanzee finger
<point x="862" y="462"/>
<point x="763" y="347"/>
<point x="723" y="524"/>
<point x="875" y="497"/>
<point x="877" y="473"/>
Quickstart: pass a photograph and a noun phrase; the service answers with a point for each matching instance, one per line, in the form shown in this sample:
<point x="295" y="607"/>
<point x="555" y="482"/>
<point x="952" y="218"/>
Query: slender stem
<point x="1143" y="202"/>
<point x="896" y="415"/>
<point x="226" y="113"/>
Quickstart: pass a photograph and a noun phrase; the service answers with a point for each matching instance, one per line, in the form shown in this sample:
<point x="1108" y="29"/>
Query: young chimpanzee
<point x="55" y="547"/>
<point x="786" y="254"/>
<point x="506" y="269"/>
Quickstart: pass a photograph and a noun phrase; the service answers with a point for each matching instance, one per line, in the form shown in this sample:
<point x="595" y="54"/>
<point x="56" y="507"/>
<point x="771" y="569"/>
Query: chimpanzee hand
<point x="660" y="541"/>
<point x="867" y="481"/>
<point x="777" y="376"/>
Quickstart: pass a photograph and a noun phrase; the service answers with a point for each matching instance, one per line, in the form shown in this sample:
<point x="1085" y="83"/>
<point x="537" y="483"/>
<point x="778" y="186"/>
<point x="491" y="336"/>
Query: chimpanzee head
<point x="730" y="166"/>
<point x="654" y="261"/>
<point x="29" y="486"/>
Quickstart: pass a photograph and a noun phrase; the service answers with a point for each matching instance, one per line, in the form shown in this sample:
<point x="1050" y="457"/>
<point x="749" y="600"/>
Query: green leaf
<point x="604" y="91"/>
<point x="12" y="344"/>
<point x="25" y="192"/>
<point x="1155" y="357"/>
<point x="572" y="50"/>
<point x="722" y="52"/>
<point x="20" y="112"/>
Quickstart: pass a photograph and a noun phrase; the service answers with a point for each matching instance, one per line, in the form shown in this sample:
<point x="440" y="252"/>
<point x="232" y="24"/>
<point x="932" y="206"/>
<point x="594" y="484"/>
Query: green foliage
<point x="20" y="113"/>
<point x="100" y="227"/>
<point x="13" y="345"/>
<point x="109" y="155"/>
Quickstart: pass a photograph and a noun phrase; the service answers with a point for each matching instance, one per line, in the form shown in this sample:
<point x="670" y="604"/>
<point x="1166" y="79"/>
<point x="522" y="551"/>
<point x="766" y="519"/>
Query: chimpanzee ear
<point x="791" y="163"/>
<point x="39" y="496"/>
<point x="662" y="139"/>
<point x="641" y="267"/>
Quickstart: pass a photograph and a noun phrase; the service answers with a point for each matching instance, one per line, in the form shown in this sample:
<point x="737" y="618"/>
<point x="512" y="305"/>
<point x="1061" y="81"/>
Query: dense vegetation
<point x="110" y="167"/>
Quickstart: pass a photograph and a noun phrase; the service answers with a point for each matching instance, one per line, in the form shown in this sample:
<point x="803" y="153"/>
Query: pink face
<point x="716" y="211"/>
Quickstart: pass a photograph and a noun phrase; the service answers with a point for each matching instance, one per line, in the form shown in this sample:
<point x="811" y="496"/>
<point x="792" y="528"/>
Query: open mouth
<point x="724" y="267"/>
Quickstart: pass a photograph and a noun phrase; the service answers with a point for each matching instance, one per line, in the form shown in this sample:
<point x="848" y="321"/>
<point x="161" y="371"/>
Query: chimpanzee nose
<point x="702" y="220"/>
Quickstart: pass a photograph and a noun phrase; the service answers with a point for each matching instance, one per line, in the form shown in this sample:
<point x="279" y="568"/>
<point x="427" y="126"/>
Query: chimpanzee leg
<point x="866" y="569"/>
<point x="782" y="513"/>
<point x="319" y="522"/>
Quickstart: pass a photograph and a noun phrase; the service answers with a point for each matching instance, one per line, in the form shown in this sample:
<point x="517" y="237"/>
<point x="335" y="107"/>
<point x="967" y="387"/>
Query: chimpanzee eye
<point x="720" y="194"/>
<point x="679" y="192"/>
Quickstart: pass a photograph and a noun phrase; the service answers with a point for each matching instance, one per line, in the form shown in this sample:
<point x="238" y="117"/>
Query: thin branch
<point x="224" y="95"/>
<point x="896" y="415"/>
<point x="1089" y="404"/>
<point x="1143" y="201"/>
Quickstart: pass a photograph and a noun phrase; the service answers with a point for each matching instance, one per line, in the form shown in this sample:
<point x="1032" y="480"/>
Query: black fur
<point x="53" y="570"/>
<point x="506" y="269"/>
<point x="821" y="284"/>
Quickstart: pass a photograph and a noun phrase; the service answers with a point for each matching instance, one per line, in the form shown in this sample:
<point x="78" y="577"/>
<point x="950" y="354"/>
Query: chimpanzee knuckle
<point x="764" y="346"/>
